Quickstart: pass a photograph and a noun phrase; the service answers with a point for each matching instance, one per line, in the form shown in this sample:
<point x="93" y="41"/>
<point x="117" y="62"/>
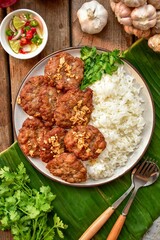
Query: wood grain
<point x="5" y="102"/>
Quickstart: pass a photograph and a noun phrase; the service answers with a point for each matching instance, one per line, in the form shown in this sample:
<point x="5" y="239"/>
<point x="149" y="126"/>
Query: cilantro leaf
<point x="58" y="224"/>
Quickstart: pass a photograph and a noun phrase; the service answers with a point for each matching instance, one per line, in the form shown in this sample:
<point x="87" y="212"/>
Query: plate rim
<point x="83" y="184"/>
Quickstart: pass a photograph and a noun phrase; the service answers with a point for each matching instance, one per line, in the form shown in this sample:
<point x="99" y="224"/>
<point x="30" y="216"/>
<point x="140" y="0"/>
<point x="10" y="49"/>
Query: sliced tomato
<point x="29" y="34"/>
<point x="27" y="23"/>
<point x="33" y="29"/>
<point x="23" y="41"/>
<point x="10" y="38"/>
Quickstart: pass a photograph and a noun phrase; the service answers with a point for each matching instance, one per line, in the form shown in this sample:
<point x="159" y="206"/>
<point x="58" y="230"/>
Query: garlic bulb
<point x="154" y="42"/>
<point x="155" y="3"/>
<point x="123" y="14"/>
<point x="92" y="17"/>
<point x="134" y="3"/>
<point x="137" y="32"/>
<point x="156" y="28"/>
<point x="144" y="17"/>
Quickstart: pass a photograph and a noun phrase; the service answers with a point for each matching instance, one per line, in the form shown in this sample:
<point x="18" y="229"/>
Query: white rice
<point x="118" y="114"/>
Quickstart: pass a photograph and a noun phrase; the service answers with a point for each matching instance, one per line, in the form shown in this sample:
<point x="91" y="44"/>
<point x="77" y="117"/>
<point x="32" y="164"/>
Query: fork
<point x="102" y="219"/>
<point x="145" y="175"/>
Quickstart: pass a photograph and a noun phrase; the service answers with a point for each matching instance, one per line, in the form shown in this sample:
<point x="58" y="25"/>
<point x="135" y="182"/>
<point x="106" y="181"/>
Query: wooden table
<point x="64" y="31"/>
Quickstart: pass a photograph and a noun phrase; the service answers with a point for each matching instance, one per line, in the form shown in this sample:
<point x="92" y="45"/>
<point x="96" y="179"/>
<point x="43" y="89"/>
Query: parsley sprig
<point x="96" y="64"/>
<point x="26" y="211"/>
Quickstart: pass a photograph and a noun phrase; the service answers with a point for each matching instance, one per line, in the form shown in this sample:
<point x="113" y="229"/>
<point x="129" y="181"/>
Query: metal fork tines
<point x="144" y="170"/>
<point x="146" y="174"/>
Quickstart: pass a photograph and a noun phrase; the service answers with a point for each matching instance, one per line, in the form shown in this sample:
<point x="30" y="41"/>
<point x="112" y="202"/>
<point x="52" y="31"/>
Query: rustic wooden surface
<point x="5" y="99"/>
<point x="64" y="31"/>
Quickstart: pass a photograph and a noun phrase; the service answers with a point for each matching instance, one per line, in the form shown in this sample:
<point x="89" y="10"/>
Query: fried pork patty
<point x="30" y="135"/>
<point x="52" y="144"/>
<point x="68" y="167"/>
<point x="73" y="108"/>
<point x="38" y="99"/>
<point x="29" y="95"/>
<point x="86" y="142"/>
<point x="64" y="71"/>
<point x="48" y="97"/>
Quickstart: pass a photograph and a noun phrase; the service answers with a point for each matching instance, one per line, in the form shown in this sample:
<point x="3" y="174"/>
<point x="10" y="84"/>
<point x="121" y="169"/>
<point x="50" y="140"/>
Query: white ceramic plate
<point x="149" y="116"/>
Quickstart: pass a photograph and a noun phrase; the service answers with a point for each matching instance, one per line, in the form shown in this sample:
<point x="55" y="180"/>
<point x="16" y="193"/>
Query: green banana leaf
<point x="79" y="207"/>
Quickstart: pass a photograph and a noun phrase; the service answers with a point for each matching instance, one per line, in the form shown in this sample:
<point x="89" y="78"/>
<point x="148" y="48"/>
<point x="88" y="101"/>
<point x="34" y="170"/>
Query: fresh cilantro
<point x="25" y="211"/>
<point x="96" y="64"/>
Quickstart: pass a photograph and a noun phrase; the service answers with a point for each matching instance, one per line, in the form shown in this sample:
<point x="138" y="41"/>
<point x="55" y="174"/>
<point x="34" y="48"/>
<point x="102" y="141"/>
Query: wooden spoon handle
<point x="97" y="224"/>
<point x="115" y="231"/>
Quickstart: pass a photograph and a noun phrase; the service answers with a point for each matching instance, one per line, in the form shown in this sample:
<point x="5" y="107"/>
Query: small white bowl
<point x="4" y="40"/>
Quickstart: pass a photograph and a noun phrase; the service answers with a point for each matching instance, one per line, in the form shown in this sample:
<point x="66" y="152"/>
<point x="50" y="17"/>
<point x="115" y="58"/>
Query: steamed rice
<point x="118" y="114"/>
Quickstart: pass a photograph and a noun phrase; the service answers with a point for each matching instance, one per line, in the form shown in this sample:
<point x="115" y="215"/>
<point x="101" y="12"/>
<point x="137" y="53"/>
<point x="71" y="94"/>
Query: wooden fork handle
<point x="97" y="224"/>
<point x="115" y="231"/>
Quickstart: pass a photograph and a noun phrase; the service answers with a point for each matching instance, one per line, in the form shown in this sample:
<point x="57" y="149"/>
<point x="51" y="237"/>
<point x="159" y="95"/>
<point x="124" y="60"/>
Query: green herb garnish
<point x="25" y="211"/>
<point x="96" y="64"/>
